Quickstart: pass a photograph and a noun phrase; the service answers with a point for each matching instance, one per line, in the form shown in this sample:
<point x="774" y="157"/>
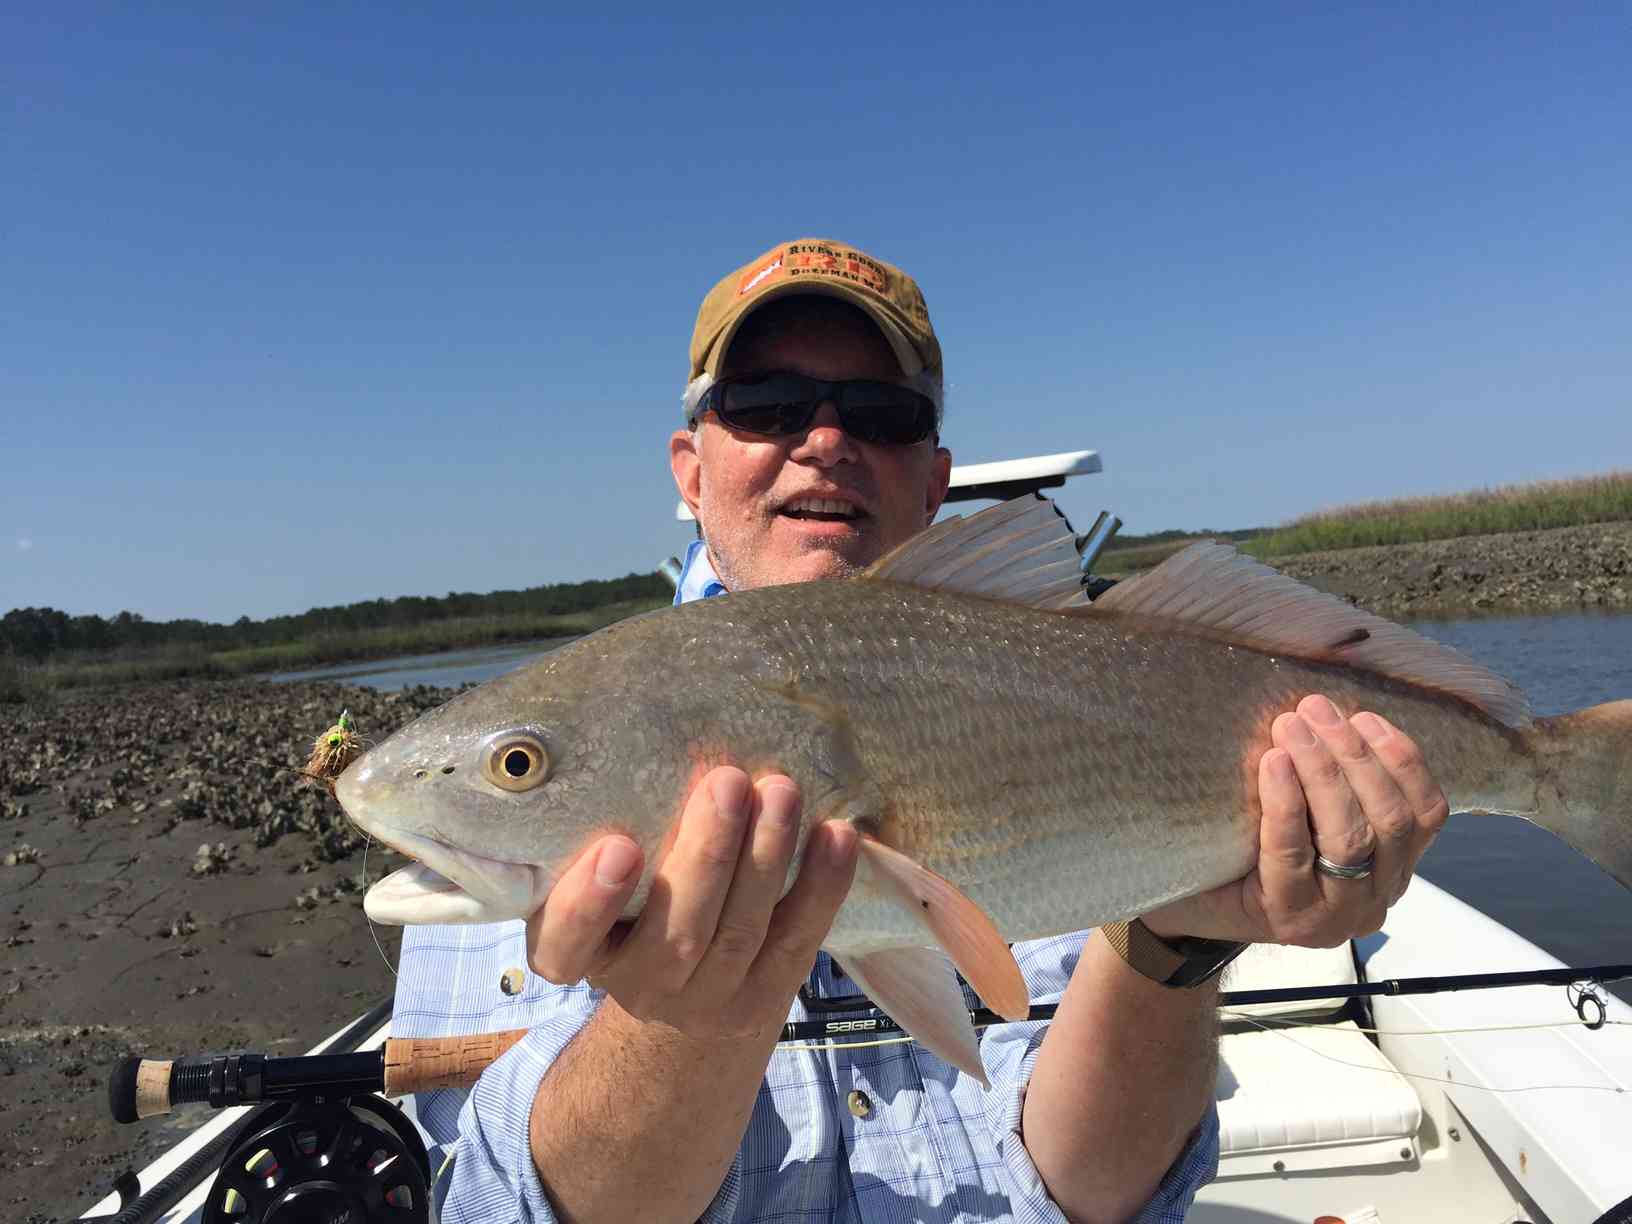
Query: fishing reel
<point x="319" y="1145"/>
<point x="351" y="1160"/>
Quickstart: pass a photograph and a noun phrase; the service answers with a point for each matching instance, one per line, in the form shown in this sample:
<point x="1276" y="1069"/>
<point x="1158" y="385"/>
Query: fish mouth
<point x="445" y="883"/>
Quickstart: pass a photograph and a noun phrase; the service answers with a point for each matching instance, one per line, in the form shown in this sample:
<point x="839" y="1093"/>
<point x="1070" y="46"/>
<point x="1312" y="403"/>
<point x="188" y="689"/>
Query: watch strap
<point x="1184" y="962"/>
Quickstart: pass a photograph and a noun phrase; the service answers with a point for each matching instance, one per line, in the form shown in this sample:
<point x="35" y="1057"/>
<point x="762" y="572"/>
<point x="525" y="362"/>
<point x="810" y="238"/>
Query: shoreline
<point x="1521" y="573"/>
<point x="195" y="661"/>
<point x="1585" y="568"/>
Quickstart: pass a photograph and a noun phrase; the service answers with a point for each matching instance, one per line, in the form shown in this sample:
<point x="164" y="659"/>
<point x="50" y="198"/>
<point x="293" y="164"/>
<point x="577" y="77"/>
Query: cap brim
<point x="906" y="352"/>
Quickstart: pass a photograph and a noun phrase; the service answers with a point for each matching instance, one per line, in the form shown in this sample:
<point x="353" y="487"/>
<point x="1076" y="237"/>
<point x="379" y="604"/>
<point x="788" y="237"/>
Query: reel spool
<point x="355" y="1160"/>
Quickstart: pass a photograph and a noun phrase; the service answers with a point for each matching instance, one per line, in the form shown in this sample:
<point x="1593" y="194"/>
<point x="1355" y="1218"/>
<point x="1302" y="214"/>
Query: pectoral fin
<point x="959" y="925"/>
<point x="918" y="989"/>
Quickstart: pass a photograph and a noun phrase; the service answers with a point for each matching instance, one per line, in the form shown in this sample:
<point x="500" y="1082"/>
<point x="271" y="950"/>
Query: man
<point x="656" y="1089"/>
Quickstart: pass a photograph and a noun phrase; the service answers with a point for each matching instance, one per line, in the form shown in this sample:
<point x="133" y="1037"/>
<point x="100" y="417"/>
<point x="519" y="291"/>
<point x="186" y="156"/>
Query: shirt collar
<point x="697" y="577"/>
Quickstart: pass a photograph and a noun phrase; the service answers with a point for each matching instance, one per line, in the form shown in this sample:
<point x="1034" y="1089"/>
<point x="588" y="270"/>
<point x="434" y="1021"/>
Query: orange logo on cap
<point x="756" y="278"/>
<point x="837" y="263"/>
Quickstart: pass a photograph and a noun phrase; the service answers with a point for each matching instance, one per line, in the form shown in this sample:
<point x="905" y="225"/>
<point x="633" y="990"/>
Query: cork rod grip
<point x="422" y="1064"/>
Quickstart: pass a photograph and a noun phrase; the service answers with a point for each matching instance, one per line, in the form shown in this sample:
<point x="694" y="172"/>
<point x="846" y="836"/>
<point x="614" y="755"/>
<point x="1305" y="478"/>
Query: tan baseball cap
<point x="890" y="297"/>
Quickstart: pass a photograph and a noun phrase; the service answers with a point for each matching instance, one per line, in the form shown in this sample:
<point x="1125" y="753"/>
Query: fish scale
<point x="1054" y="752"/>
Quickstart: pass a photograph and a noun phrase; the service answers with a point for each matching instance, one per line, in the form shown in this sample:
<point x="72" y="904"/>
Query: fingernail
<point x="617" y="860"/>
<point x="1319" y="710"/>
<point x="779" y="805"/>
<point x="1372" y="729"/>
<point x="840" y="841"/>
<point x="730" y="792"/>
<point x="1280" y="766"/>
<point x="1298" y="732"/>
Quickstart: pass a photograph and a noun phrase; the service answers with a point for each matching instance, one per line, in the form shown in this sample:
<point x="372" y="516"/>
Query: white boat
<point x="1484" y="1107"/>
<point x="1471" y="1107"/>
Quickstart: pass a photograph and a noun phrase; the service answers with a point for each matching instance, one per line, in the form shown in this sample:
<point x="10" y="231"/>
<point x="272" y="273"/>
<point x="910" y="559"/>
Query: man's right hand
<point x="717" y="952"/>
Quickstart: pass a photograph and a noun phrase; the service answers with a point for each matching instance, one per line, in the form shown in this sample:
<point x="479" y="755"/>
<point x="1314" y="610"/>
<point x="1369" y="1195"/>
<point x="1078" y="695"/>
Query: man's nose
<point x="825" y="440"/>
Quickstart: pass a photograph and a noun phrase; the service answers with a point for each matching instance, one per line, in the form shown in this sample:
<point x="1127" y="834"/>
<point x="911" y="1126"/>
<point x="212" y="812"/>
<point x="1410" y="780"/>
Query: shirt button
<point x="859" y="1103"/>
<point x="512" y="981"/>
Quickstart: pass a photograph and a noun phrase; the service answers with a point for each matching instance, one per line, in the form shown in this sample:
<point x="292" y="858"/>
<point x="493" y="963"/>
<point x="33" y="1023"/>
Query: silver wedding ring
<point x="1338" y="871"/>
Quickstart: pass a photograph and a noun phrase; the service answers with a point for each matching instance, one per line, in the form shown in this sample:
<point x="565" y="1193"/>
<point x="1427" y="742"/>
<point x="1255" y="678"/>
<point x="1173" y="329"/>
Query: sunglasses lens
<point x="782" y="404"/>
<point x="884" y="412"/>
<point x="776" y="405"/>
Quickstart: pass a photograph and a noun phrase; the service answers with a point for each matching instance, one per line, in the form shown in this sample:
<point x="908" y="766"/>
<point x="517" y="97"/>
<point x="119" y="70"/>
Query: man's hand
<point x="717" y="952"/>
<point x="1345" y="789"/>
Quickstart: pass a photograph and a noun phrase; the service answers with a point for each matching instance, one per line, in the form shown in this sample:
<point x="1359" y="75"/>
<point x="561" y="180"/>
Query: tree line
<point x="37" y="633"/>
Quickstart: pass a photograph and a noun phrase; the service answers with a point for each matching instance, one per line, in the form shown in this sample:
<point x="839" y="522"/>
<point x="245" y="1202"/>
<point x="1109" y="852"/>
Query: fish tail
<point x="1586" y="783"/>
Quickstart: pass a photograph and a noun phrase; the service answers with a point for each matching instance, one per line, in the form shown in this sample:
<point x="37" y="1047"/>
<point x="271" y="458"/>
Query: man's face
<point x="760" y="500"/>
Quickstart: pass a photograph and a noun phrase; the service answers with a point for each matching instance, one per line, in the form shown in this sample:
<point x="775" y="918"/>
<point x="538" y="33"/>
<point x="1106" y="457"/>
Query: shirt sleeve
<point x="1009" y="1053"/>
<point x="493" y="1176"/>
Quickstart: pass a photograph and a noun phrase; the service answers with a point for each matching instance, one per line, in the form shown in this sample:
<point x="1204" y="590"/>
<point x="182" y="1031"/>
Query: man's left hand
<point x="1346" y="789"/>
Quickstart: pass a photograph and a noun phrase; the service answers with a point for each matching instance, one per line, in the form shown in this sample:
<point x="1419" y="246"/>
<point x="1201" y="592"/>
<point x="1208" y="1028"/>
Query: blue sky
<point x="325" y="303"/>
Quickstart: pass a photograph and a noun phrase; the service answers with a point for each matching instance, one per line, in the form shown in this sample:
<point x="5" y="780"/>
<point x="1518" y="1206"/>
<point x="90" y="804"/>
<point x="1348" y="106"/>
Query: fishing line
<point x="1276" y="1025"/>
<point x="1271" y="1022"/>
<point x="328" y="785"/>
<point x="1434" y="1079"/>
<point x="367" y="842"/>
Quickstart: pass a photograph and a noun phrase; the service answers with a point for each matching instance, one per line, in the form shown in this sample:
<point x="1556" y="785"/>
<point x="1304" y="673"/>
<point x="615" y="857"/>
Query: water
<point x="1522" y="876"/>
<point x="448" y="669"/>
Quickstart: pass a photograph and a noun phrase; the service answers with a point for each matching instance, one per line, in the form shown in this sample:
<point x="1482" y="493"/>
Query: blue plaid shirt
<point x="934" y="1147"/>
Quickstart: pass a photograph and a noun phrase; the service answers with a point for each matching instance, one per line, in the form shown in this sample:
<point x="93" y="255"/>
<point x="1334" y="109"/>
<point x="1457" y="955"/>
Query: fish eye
<point x="517" y="761"/>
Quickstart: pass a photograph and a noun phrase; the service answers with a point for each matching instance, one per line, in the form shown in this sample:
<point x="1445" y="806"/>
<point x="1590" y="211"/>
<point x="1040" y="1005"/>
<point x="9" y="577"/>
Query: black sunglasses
<point x="777" y="405"/>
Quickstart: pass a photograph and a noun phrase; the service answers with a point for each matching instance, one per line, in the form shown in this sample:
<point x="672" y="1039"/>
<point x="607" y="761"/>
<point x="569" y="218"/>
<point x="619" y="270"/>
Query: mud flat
<point x="1567" y="569"/>
<point x="164" y="889"/>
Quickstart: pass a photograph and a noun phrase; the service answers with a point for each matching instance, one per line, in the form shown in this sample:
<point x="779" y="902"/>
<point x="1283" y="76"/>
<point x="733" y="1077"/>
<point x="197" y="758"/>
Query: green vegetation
<point x="1409" y="520"/>
<point x="1128" y="553"/>
<point x="1527" y="507"/>
<point x="40" y="633"/>
<point x="77" y="669"/>
<point x="42" y="648"/>
<point x="21" y="682"/>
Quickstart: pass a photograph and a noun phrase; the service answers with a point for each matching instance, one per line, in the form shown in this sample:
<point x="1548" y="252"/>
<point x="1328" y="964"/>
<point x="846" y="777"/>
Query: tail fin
<point x="1586" y="774"/>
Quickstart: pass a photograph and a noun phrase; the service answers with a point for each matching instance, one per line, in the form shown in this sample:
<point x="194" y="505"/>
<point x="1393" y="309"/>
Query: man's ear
<point x="940" y="480"/>
<point x="687" y="466"/>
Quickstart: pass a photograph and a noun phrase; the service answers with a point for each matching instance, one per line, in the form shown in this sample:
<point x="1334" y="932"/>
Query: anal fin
<point x="960" y="926"/>
<point x="919" y="991"/>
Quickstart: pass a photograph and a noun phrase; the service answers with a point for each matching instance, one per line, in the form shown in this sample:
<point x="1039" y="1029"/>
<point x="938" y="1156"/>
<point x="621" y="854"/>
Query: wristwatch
<point x="1183" y="962"/>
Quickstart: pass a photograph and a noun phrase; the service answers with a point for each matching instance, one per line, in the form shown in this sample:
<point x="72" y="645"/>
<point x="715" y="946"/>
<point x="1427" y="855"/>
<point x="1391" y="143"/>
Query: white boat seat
<point x="1335" y="1103"/>
<point x="1282" y="1108"/>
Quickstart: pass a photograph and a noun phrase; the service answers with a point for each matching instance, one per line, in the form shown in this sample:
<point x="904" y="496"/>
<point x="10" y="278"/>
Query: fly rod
<point x="980" y="1017"/>
<point x="145" y="1087"/>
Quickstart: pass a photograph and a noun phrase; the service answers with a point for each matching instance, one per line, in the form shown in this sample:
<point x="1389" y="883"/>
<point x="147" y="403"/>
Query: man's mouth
<point x="823" y="510"/>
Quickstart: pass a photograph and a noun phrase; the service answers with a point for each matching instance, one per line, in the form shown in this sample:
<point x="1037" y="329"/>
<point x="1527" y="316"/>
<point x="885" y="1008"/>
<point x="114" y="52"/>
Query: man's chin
<point x="828" y="554"/>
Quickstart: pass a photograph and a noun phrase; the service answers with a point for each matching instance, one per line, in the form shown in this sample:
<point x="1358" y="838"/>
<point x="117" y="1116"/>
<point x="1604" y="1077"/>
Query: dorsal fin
<point x="1212" y="588"/>
<point x="1022" y="551"/>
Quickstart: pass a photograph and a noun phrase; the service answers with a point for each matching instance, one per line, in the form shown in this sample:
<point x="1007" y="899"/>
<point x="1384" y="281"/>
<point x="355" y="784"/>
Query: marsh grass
<point x="1528" y="507"/>
<point x="1143" y="552"/>
<point x="1408" y="520"/>
<point x="429" y="637"/>
<point x="21" y="683"/>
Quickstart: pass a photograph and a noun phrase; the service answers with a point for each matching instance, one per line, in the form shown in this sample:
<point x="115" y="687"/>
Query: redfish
<point x="1020" y="762"/>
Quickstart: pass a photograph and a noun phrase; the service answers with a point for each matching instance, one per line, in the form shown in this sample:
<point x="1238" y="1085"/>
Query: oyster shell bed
<point x="167" y="889"/>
